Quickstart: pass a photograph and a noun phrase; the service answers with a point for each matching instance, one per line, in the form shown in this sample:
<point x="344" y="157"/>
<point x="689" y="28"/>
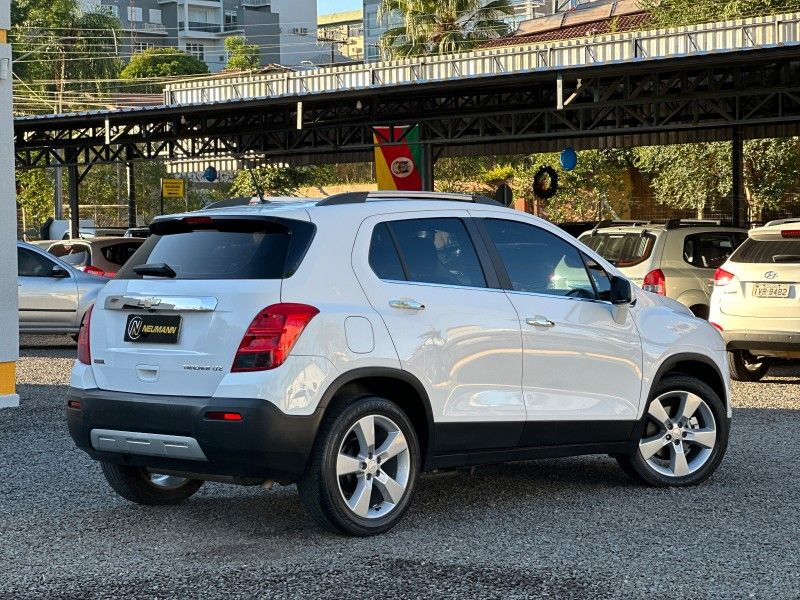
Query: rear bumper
<point x="266" y="443"/>
<point x="773" y="341"/>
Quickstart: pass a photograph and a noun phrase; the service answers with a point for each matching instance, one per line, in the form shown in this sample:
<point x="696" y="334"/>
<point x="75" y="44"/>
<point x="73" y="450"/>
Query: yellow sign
<point x="173" y="188"/>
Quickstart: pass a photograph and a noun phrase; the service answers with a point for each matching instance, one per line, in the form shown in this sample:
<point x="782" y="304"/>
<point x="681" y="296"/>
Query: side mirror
<point x="621" y="292"/>
<point x="59" y="272"/>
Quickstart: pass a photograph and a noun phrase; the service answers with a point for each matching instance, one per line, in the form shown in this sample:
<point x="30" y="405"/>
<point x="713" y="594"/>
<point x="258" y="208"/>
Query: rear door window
<point x="437" y="251"/>
<point x="708" y="250"/>
<point x="622" y="249"/>
<point x="224" y="248"/>
<point x="768" y="251"/>
<point x="383" y="256"/>
<point x="118" y="254"/>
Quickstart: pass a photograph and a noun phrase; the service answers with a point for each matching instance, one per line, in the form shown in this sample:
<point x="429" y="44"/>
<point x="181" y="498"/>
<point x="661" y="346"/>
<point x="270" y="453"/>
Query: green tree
<point x="699" y="176"/>
<point x="35" y="196"/>
<point x="158" y="63"/>
<point x="441" y="27"/>
<point x="671" y="13"/>
<point x="274" y="180"/>
<point x="64" y="55"/>
<point x="241" y="55"/>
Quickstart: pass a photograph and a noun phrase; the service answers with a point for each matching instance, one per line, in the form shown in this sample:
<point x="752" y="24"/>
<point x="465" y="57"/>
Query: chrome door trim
<point x="161" y="303"/>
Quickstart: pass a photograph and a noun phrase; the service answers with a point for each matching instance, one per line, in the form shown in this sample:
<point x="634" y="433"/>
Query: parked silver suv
<point x="675" y="258"/>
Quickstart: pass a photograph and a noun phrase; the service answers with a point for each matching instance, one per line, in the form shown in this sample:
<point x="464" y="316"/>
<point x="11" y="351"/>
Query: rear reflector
<point x="74" y="404"/>
<point x="790" y="233"/>
<point x="223" y="416"/>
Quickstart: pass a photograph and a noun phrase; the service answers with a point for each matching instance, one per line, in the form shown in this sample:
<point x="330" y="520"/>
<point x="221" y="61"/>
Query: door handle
<point x="407" y="304"/>
<point x="539" y="322"/>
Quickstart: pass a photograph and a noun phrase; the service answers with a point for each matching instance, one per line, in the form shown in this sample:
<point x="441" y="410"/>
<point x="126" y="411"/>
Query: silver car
<point x="53" y="296"/>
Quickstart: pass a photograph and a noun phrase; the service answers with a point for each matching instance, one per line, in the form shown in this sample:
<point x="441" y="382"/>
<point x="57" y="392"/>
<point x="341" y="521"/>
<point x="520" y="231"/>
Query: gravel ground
<point x="569" y="528"/>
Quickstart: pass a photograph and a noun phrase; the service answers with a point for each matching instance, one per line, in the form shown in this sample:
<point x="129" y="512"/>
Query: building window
<point x="355" y="30"/>
<point x="142" y="46"/>
<point x="196" y="50"/>
<point x="135" y="14"/>
<point x="155" y="16"/>
<point x="231" y="19"/>
<point x="300" y="30"/>
<point x="110" y="9"/>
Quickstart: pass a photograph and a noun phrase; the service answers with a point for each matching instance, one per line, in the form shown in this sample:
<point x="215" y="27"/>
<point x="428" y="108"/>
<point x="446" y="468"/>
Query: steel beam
<point x="738" y="204"/>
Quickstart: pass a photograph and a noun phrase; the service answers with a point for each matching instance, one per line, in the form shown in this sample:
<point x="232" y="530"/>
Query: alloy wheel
<point x="679" y="435"/>
<point x="373" y="466"/>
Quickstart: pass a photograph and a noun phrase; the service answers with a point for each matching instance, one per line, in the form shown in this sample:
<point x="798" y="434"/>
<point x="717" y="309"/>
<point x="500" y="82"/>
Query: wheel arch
<point x="694" y="365"/>
<point x="401" y="387"/>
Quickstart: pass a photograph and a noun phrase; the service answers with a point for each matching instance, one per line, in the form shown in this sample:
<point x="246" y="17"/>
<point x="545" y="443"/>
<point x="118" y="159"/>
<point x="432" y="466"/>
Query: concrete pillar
<point x="738" y="208"/>
<point x="9" y="317"/>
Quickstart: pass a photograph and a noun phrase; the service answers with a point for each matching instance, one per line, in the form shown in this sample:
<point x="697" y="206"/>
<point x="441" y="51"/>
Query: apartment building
<point x="285" y="30"/>
<point x="345" y="31"/>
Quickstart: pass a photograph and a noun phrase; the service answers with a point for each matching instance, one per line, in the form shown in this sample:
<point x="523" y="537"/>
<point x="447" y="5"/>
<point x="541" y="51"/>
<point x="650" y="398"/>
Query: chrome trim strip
<point x="147" y="444"/>
<point x="161" y="303"/>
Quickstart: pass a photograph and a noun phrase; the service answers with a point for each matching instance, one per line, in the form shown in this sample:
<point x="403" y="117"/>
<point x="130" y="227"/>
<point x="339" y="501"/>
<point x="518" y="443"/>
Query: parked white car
<point x="352" y="343"/>
<point x="756" y="300"/>
<point x="676" y="258"/>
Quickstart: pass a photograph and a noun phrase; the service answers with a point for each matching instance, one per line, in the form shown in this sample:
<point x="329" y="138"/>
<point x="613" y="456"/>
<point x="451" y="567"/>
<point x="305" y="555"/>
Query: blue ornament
<point x="569" y="159"/>
<point x="210" y="174"/>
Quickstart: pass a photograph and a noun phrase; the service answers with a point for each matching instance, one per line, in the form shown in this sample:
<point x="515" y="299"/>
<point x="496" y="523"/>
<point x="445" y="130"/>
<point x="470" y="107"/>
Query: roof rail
<point x="675" y="223"/>
<point x="783" y="221"/>
<point x="618" y="223"/>
<point x="361" y="197"/>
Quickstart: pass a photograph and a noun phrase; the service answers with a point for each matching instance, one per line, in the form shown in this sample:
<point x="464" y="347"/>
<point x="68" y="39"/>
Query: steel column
<point x="428" y="163"/>
<point x="73" y="180"/>
<point x="738" y="208"/>
<point x="129" y="172"/>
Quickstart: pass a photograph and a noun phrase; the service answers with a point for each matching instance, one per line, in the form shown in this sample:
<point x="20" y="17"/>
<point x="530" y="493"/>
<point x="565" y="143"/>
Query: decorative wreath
<point x="545" y="183"/>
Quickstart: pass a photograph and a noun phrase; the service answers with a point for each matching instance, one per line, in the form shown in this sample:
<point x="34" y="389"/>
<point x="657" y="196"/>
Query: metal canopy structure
<point x="732" y="81"/>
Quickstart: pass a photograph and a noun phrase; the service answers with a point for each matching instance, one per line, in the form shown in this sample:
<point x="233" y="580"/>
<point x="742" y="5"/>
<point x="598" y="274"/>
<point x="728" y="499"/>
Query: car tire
<point x="141" y="486"/>
<point x="744" y="368"/>
<point x="356" y="487"/>
<point x="682" y="436"/>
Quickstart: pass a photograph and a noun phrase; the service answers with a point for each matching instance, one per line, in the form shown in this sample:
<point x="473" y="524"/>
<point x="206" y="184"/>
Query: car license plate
<point x="153" y="329"/>
<point x="770" y="290"/>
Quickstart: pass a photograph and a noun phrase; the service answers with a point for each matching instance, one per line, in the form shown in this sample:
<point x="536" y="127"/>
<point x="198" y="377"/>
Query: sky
<point x="325" y="7"/>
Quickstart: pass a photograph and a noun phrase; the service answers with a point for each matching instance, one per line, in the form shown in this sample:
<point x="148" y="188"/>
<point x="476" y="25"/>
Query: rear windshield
<point x="75" y="255"/>
<point x="621" y="249"/>
<point x="767" y="251"/>
<point x="225" y="249"/>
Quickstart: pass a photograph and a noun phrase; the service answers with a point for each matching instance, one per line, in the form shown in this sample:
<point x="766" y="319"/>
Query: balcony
<point x="201" y="27"/>
<point x="256" y="3"/>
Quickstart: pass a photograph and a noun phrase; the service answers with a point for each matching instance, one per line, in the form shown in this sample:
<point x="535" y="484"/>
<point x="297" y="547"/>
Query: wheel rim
<point x="373" y="466"/>
<point x="165" y="482"/>
<point x="679" y="435"/>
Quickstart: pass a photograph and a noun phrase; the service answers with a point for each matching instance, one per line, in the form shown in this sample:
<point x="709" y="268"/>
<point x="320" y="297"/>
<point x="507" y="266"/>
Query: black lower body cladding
<point x="265" y="443"/>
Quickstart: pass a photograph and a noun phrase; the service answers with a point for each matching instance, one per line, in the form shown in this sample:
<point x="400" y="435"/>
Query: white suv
<point x="755" y="301"/>
<point x="675" y="258"/>
<point x="349" y="344"/>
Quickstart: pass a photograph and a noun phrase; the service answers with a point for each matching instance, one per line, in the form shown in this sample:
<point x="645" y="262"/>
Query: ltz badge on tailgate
<point x="153" y="329"/>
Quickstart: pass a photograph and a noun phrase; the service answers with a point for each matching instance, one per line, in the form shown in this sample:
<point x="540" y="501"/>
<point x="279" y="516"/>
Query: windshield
<point x="767" y="251"/>
<point x="621" y="249"/>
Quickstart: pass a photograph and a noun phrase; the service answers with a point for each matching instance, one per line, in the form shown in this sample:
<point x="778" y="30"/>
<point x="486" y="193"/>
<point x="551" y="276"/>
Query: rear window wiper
<point x="786" y="258"/>
<point x="155" y="270"/>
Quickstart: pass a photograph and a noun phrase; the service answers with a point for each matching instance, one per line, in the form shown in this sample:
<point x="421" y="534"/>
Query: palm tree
<point x="441" y="26"/>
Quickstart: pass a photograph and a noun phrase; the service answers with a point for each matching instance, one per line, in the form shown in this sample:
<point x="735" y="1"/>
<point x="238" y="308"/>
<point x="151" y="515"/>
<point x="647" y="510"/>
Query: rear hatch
<point x="173" y="319"/>
<point x="766" y="276"/>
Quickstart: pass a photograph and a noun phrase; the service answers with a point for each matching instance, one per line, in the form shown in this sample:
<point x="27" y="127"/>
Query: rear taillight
<point x="95" y="271"/>
<point x="790" y="233"/>
<point x="84" y="349"/>
<point x="271" y="336"/>
<point x="716" y="326"/>
<point x="654" y="282"/>
<point x="223" y="416"/>
<point x="722" y="277"/>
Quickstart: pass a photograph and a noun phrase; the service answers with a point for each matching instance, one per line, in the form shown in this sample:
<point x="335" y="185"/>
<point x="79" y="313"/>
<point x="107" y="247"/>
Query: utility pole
<point x="334" y="38"/>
